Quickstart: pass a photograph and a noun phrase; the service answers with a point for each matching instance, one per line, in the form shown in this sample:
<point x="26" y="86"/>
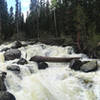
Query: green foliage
<point x="60" y="19"/>
<point x="93" y="40"/>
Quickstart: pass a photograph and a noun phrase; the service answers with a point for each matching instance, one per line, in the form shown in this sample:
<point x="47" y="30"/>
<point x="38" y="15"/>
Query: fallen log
<point x="52" y="59"/>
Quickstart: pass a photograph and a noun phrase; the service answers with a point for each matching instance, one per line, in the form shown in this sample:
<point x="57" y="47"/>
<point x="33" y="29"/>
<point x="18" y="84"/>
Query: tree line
<point x="79" y="19"/>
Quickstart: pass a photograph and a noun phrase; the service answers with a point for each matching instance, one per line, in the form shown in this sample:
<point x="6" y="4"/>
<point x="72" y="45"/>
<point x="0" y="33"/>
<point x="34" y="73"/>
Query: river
<point x="58" y="82"/>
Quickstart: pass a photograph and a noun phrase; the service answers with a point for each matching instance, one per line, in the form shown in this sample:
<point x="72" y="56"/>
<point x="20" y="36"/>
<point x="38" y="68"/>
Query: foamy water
<point x="58" y="82"/>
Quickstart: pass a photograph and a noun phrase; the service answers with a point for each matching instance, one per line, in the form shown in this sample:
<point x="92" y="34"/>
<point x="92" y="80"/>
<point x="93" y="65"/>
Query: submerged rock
<point x="13" y="68"/>
<point x="6" y="96"/>
<point x="12" y="54"/>
<point x="17" y="44"/>
<point x="22" y="61"/>
<point x="42" y="65"/>
<point x="90" y="66"/>
<point x="31" y="69"/>
<point x="75" y="64"/>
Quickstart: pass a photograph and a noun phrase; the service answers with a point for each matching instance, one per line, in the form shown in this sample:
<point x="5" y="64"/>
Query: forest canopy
<point x="77" y="19"/>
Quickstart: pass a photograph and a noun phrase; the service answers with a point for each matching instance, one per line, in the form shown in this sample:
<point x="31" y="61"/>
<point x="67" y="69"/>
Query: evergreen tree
<point x="80" y="20"/>
<point x="3" y="19"/>
<point x="11" y="22"/>
<point x="18" y="16"/>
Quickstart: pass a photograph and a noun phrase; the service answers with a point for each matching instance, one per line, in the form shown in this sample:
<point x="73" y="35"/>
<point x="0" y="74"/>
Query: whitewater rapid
<point x="58" y="82"/>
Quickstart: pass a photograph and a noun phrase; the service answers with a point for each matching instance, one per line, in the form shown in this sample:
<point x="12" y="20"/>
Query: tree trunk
<point x="78" y="40"/>
<point x="52" y="59"/>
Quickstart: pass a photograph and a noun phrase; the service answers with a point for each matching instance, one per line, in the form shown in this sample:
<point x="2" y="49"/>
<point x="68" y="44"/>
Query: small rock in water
<point x="42" y="65"/>
<point x="12" y="54"/>
<point x="16" y="45"/>
<point x="75" y="64"/>
<point x="5" y="49"/>
<point x="13" y="68"/>
<point x="89" y="67"/>
<point x="6" y="96"/>
<point x="22" y="61"/>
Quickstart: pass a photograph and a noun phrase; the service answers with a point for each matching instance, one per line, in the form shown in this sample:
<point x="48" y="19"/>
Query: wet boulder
<point x="13" y="68"/>
<point x="2" y="84"/>
<point x="6" y="96"/>
<point x="16" y="44"/>
<point x="12" y="54"/>
<point x="42" y="65"/>
<point x="5" y="49"/>
<point x="75" y="64"/>
<point x="22" y="61"/>
<point x="89" y="67"/>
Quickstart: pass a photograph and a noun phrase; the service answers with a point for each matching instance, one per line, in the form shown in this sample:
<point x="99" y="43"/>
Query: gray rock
<point x="2" y="84"/>
<point x="13" y="68"/>
<point x="42" y="65"/>
<point x="89" y="67"/>
<point x="22" y="61"/>
<point x="12" y="54"/>
<point x="5" y="49"/>
<point x="75" y="64"/>
<point x="6" y="96"/>
<point x="17" y="44"/>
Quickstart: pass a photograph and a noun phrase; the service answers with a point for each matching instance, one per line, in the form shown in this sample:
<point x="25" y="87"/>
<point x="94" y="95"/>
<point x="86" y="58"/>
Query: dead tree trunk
<point x="51" y="59"/>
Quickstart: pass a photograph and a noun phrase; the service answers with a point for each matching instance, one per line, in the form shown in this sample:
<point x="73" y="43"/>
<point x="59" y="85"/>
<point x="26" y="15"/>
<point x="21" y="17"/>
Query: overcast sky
<point x="24" y="4"/>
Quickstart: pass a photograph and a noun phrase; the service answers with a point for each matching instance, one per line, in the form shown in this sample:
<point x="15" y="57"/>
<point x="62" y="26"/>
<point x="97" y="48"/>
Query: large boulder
<point x="75" y="64"/>
<point x="13" y="68"/>
<point x="6" y="96"/>
<point x="2" y="84"/>
<point x="22" y="61"/>
<point x="16" y="44"/>
<point x="42" y="65"/>
<point x="90" y="66"/>
<point x="12" y="54"/>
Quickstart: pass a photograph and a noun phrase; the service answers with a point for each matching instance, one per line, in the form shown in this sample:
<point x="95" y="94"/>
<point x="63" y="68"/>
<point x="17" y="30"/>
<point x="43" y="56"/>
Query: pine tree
<point x="18" y="16"/>
<point x="3" y="19"/>
<point x="11" y="22"/>
<point x="80" y="20"/>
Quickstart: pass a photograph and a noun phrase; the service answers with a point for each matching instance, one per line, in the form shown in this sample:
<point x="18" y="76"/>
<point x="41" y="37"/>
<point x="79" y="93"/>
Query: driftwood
<point x="52" y="59"/>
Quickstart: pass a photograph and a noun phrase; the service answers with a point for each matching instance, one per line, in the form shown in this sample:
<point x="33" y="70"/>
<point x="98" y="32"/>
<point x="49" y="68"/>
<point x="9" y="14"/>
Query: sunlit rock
<point x="89" y="67"/>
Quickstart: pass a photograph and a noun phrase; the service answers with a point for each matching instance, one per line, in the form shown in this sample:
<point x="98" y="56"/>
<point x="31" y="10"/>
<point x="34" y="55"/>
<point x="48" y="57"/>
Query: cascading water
<point x="58" y="82"/>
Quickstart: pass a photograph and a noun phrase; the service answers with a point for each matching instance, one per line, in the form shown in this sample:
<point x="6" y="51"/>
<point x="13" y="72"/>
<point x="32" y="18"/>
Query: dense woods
<point x="78" y="20"/>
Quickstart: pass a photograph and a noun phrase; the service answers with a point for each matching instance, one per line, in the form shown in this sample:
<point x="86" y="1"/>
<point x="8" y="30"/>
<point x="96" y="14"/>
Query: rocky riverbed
<point x="22" y="79"/>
